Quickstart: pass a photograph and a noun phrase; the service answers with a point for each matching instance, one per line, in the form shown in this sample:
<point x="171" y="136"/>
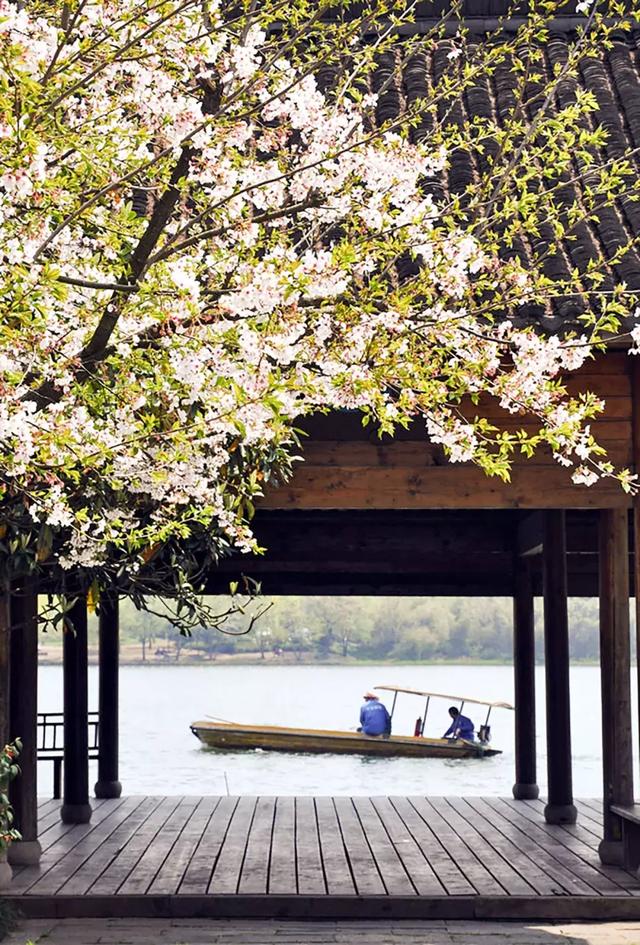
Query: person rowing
<point x="461" y="726"/>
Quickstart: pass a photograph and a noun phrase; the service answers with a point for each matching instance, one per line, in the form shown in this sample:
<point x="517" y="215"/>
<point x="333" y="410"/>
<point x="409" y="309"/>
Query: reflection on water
<point x="159" y="754"/>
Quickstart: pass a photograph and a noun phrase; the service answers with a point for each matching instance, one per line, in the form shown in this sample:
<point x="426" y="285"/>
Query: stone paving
<point x="276" y="932"/>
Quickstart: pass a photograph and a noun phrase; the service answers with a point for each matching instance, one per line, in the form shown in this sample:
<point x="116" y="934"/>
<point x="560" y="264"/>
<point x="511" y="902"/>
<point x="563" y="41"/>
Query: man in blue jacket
<point x="461" y="726"/>
<point x="374" y="718"/>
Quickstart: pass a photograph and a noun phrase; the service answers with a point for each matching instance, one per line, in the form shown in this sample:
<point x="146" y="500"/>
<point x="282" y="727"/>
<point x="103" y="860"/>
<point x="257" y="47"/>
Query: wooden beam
<point x="370" y="584"/>
<point x="615" y="662"/>
<point x="529" y="536"/>
<point x="350" y="467"/>
<point x="382" y="552"/>
<point x="24" y="718"/>
<point x="75" y="807"/>
<point x="560" y="808"/>
<point x="439" y="487"/>
<point x="524" y="666"/>
<point x="108" y="784"/>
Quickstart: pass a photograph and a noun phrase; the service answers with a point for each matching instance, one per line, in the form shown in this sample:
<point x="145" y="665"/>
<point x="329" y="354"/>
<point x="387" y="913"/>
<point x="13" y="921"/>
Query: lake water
<point x="159" y="754"/>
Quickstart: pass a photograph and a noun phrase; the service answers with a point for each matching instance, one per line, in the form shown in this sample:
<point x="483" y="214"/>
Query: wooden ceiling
<point x="406" y="553"/>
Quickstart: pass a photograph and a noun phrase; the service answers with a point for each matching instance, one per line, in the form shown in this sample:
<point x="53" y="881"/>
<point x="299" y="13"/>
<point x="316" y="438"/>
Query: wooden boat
<point x="232" y="736"/>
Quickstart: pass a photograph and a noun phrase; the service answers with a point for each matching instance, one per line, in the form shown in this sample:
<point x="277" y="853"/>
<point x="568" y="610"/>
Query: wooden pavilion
<point x="369" y="516"/>
<point x="365" y="517"/>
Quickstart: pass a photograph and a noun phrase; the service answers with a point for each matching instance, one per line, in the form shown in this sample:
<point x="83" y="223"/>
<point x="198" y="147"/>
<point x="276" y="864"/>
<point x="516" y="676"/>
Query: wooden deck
<point x="326" y="857"/>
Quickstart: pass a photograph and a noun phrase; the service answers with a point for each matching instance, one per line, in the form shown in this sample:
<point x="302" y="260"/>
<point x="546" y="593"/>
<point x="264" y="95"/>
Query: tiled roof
<point x="614" y="81"/>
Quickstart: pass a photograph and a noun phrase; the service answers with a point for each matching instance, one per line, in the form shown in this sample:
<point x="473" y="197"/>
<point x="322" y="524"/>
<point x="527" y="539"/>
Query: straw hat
<point x="370" y="695"/>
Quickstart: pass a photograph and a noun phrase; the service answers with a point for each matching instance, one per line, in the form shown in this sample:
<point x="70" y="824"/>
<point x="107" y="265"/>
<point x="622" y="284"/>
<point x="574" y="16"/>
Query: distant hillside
<point x="365" y="628"/>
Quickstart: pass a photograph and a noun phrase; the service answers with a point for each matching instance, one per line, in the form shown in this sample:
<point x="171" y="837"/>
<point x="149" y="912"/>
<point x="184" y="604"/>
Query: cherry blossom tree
<point x="209" y="230"/>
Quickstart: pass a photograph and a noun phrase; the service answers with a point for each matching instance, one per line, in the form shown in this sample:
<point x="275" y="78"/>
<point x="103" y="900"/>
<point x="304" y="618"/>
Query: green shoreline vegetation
<point x="341" y="630"/>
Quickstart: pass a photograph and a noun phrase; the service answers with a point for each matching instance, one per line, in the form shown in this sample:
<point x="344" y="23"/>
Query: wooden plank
<point x="51" y="828"/>
<point x="46" y="805"/>
<point x="53" y="834"/>
<point x="421" y="454"/>
<point x="337" y="870"/>
<point x="171" y="873"/>
<point x="388" y="859"/>
<point x="436" y="846"/>
<point x="593" y="805"/>
<point x="226" y="873"/>
<point x="616" y="406"/>
<point x="456" y="869"/>
<point x="198" y="873"/>
<point x="536" y="877"/>
<point x="254" y="876"/>
<point x="596" y="880"/>
<point x="363" y="866"/>
<point x="333" y="428"/>
<point x="439" y="487"/>
<point x="417" y="811"/>
<point x="57" y="841"/>
<point x="605" y="385"/>
<point x="527" y="844"/>
<point x="74" y="849"/>
<point x="309" y="867"/>
<point x="607" y="363"/>
<point x="282" y="868"/>
<point x="587" y="821"/>
<point x="417" y="849"/>
<point x="589" y="832"/>
<point x="148" y="866"/>
<point x="579" y="841"/>
<point x="108" y="849"/>
<point x="500" y="868"/>
<point x="126" y="860"/>
<point x="590" y="819"/>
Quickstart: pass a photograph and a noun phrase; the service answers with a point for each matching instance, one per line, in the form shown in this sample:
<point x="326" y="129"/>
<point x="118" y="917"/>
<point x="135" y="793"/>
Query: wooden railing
<point x="51" y="743"/>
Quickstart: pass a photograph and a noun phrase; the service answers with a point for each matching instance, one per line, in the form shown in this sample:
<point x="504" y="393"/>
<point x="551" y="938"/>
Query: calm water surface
<point x="158" y="753"/>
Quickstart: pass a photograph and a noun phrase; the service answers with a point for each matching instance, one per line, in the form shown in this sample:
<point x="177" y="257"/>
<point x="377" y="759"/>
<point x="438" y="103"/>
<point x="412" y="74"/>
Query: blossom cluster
<point x="200" y="246"/>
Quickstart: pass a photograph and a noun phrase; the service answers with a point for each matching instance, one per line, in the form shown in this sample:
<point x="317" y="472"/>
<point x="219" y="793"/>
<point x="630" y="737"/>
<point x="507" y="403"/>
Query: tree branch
<point x="94" y="350"/>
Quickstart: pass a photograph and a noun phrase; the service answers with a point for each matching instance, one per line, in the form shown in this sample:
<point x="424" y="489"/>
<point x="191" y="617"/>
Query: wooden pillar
<point x="635" y="398"/>
<point x="75" y="805"/>
<point x="108" y="784"/>
<point x="524" y="667"/>
<point x="6" y="872"/>
<point x="5" y="660"/>
<point x="23" y="611"/>
<point x="615" y="659"/>
<point x="560" y="808"/>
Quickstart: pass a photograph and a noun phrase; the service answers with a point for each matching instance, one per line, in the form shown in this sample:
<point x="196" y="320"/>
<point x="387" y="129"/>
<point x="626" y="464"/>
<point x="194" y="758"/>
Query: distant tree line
<point x="365" y="628"/>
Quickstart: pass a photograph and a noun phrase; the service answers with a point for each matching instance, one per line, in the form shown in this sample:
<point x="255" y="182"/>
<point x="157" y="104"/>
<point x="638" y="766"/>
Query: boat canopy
<point x="441" y="695"/>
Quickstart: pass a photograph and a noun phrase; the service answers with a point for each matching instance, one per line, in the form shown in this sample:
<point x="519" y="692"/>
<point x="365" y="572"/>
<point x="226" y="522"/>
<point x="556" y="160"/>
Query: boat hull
<point x="231" y="737"/>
